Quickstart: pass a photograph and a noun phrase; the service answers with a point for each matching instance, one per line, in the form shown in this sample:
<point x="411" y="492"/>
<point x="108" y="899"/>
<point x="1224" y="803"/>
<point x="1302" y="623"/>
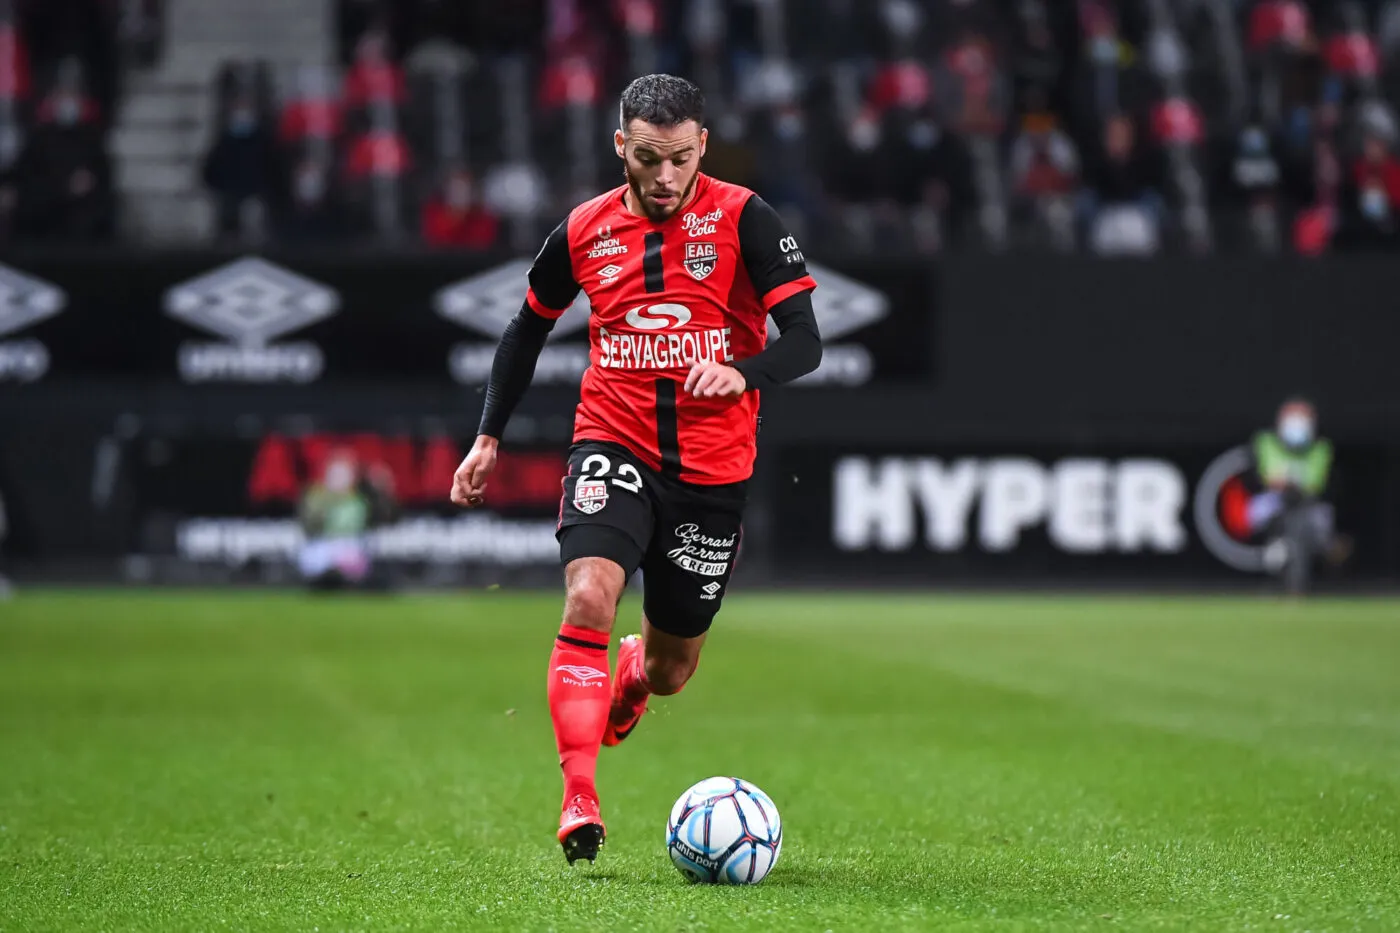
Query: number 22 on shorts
<point x="591" y="490"/>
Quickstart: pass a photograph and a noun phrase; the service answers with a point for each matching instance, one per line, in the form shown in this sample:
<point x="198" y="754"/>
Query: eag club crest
<point x="590" y="496"/>
<point x="700" y="259"/>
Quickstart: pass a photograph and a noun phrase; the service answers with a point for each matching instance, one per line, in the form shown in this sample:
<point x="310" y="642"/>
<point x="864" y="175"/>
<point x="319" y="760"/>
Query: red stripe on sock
<point x="592" y="637"/>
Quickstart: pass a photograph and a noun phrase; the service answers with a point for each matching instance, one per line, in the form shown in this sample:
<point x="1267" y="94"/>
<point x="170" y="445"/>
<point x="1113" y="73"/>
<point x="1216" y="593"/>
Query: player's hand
<point x="715" y="380"/>
<point x="469" y="482"/>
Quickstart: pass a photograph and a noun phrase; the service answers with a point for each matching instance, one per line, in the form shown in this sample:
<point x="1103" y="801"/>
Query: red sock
<point x="579" y="697"/>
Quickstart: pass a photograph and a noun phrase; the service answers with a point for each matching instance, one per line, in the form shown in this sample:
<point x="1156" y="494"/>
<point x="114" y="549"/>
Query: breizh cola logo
<point x="250" y="303"/>
<point x="24" y="301"/>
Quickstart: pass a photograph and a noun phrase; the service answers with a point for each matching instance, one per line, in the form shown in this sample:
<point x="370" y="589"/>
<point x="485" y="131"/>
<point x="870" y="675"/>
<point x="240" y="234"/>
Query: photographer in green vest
<point x="337" y="513"/>
<point x="1294" y="464"/>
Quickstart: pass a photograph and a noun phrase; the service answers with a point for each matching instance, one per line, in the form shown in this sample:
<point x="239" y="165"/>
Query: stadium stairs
<point x="165" y="123"/>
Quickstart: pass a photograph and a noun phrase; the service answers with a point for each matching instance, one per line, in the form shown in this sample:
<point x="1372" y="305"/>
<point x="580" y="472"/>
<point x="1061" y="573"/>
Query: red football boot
<point x="581" y="830"/>
<point x="624" y="715"/>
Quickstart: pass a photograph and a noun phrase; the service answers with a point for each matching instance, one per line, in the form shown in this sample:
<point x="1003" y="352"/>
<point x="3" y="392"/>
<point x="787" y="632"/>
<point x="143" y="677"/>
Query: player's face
<point x="661" y="163"/>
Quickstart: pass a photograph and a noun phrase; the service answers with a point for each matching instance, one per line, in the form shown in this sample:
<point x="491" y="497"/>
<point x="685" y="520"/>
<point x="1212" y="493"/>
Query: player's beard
<point x="665" y="213"/>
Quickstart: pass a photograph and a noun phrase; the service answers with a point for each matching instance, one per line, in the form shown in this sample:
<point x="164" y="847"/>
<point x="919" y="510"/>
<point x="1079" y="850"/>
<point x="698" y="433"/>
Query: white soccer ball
<point x="724" y="831"/>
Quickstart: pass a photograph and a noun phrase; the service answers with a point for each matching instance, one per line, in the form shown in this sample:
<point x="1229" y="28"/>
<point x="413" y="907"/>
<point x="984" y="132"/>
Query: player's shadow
<point x="797" y="878"/>
<point x="792" y="878"/>
<point x="628" y="879"/>
<point x="603" y="874"/>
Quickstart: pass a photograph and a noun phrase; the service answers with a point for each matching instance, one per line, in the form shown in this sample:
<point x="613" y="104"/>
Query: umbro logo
<point x="486" y="303"/>
<point x="710" y="590"/>
<point x="841" y="304"/>
<point x="25" y="300"/>
<point x="251" y="303"/>
<point x="581" y="675"/>
<point x="609" y="273"/>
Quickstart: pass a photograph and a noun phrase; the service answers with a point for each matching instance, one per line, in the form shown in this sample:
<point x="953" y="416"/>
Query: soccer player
<point x="682" y="272"/>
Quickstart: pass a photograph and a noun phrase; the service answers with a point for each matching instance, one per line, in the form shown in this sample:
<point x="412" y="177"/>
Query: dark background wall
<point x="982" y="356"/>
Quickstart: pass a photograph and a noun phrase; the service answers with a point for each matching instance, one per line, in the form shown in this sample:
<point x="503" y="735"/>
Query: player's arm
<point x="552" y="289"/>
<point x="778" y="271"/>
<point x="796" y="352"/>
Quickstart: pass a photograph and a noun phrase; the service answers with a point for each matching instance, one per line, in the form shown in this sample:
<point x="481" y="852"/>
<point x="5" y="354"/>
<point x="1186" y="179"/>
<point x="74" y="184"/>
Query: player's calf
<point x="666" y="675"/>
<point x="672" y="651"/>
<point x="638" y="679"/>
<point x="655" y="663"/>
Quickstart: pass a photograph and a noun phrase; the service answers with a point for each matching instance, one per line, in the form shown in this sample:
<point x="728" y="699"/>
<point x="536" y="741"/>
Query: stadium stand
<point x="1119" y="127"/>
<point x="58" y="86"/>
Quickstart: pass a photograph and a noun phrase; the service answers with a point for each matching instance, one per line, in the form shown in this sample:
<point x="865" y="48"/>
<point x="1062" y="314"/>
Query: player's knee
<point x="666" y="676"/>
<point x="591" y="601"/>
<point x="590" y="607"/>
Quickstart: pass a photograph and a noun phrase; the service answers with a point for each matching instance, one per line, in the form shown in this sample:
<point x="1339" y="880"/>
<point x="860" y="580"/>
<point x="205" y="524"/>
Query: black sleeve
<point x="771" y="255"/>
<point x="552" y="283"/>
<point x="552" y="290"/>
<point x="796" y="353"/>
<point x="778" y="270"/>
<point x="513" y="368"/>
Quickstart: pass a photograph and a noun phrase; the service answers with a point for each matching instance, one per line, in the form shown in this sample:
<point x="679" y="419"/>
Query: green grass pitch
<point x="245" y="761"/>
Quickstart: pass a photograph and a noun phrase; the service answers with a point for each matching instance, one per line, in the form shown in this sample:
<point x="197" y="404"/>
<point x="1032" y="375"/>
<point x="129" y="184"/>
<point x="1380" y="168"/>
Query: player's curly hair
<point x="662" y="100"/>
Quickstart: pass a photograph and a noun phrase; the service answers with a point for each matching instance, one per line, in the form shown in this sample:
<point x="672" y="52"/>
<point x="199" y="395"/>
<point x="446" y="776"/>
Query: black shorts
<point x="683" y="536"/>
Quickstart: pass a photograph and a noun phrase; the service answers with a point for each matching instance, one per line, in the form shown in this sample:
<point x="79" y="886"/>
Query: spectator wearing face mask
<point x="855" y="157"/>
<point x="1109" y="77"/>
<point x="64" y="175"/>
<point x="1250" y="182"/>
<point x="454" y="216"/>
<point x="862" y="188"/>
<point x="1122" y="206"/>
<point x="785" y="169"/>
<point x="927" y="168"/>
<point x="1252" y="172"/>
<point x="241" y="168"/>
<point x="904" y="26"/>
<point x="1371" y="198"/>
<point x="1037" y="60"/>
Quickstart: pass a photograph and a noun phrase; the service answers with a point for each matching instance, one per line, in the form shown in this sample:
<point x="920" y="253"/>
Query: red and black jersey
<point x="695" y="287"/>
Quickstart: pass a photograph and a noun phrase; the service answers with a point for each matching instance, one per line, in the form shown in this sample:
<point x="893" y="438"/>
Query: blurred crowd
<point x="1119" y="127"/>
<point x="61" y="63"/>
<point x="1112" y="126"/>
